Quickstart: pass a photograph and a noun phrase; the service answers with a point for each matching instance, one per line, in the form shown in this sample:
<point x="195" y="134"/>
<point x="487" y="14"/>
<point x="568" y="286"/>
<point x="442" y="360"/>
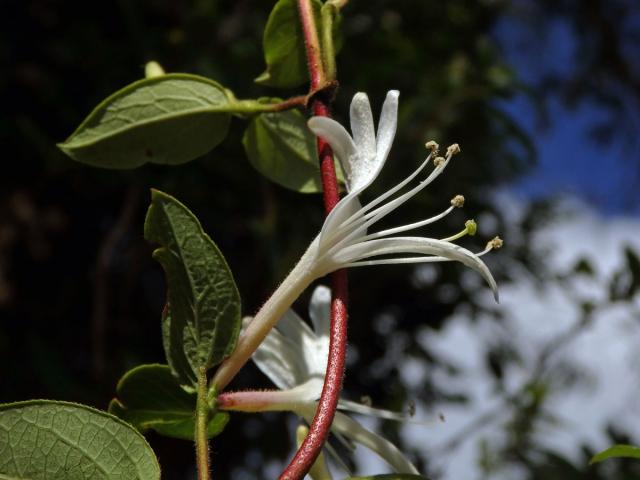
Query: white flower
<point x="344" y="241"/>
<point x="295" y="358"/>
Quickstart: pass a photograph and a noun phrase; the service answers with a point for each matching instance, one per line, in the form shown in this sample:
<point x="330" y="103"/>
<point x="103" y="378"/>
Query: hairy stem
<point x="311" y="44"/>
<point x="311" y="447"/>
<point x="202" y="422"/>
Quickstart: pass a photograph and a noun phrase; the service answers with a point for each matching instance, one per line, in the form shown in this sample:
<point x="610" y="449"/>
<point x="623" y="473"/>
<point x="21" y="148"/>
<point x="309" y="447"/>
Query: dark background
<point x="80" y="297"/>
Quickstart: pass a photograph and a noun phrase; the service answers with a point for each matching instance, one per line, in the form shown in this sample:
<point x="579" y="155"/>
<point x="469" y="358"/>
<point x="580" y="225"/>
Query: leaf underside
<point x="170" y="119"/>
<point x="283" y="149"/>
<point x="41" y="439"/>
<point x="150" y="398"/>
<point x="201" y="320"/>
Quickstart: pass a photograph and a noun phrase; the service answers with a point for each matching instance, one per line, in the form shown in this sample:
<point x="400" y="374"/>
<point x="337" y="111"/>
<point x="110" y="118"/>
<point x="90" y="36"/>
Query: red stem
<point x="321" y="424"/>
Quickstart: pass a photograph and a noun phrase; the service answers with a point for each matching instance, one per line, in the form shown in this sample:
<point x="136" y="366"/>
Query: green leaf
<point x="201" y="320"/>
<point x="42" y="439"/>
<point x="283" y="45"/>
<point x="169" y="119"/>
<point x="283" y="149"/>
<point x="627" y="451"/>
<point x="149" y="397"/>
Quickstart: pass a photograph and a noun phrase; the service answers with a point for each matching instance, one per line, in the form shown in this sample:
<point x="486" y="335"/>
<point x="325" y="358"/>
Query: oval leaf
<point x="149" y="397"/>
<point x="627" y="451"/>
<point x="283" y="46"/>
<point x="283" y="149"/>
<point x="201" y="320"/>
<point x="42" y="439"/>
<point x="169" y="119"/>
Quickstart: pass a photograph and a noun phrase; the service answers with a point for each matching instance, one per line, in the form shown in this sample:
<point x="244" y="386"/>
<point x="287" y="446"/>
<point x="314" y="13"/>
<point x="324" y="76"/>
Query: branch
<point x="321" y="424"/>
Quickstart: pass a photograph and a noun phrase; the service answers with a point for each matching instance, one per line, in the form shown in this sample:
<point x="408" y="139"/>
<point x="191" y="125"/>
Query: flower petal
<point x="320" y="311"/>
<point x="387" y="126"/>
<point x="315" y="348"/>
<point x="348" y="405"/>
<point x="371" y="154"/>
<point x="333" y="228"/>
<point x="383" y="447"/>
<point x="282" y="360"/>
<point x="362" y="128"/>
<point x="340" y="141"/>
<point x="419" y="245"/>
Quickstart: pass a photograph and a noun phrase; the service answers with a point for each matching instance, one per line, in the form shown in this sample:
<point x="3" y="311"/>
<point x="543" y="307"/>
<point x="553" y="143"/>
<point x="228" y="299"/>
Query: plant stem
<point x="311" y="44"/>
<point x="253" y="106"/>
<point x="202" y="422"/>
<point x="327" y="13"/>
<point x="321" y="424"/>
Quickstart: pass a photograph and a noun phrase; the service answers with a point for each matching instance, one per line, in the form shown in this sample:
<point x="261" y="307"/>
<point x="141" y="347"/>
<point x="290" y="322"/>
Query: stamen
<point x="438" y="161"/>
<point x="355" y="224"/>
<point x="470" y="228"/>
<point x="393" y="204"/>
<point x="493" y="244"/>
<point x="410" y="226"/>
<point x="355" y="220"/>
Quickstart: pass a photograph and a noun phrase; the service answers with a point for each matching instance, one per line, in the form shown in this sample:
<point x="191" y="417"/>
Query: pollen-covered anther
<point x="453" y="149"/>
<point x="494" y="244"/>
<point x="438" y="161"/>
<point x="433" y="146"/>
<point x="458" y="201"/>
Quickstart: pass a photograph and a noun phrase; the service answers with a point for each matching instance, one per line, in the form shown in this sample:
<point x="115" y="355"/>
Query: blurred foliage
<point x="80" y="297"/>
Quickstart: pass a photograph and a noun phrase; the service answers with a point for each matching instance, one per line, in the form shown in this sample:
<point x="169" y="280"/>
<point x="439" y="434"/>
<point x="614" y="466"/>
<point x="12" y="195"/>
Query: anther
<point x="438" y="161"/>
<point x="433" y="146"/>
<point x="453" y="149"/>
<point x="457" y="201"/>
<point x="495" y="244"/>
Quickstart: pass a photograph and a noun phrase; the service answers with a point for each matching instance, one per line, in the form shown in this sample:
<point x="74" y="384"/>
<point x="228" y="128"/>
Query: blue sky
<point x="569" y="160"/>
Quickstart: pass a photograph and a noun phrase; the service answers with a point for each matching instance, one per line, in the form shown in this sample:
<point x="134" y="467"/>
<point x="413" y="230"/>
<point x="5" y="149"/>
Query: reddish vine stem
<point x="321" y="424"/>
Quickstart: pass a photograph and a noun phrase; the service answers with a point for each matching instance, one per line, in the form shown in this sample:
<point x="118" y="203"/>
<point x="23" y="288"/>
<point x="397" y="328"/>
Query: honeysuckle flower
<point x="294" y="357"/>
<point x="344" y="240"/>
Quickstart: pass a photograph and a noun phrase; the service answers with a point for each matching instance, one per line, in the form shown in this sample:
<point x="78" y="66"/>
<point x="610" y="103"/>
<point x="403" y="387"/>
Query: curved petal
<point x="348" y="405"/>
<point x="362" y="127"/>
<point x="320" y="311"/>
<point x="333" y="228"/>
<point x="383" y="447"/>
<point x="282" y="360"/>
<point x="418" y="245"/>
<point x="314" y="348"/>
<point x="340" y="141"/>
<point x="387" y="127"/>
<point x="366" y="165"/>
